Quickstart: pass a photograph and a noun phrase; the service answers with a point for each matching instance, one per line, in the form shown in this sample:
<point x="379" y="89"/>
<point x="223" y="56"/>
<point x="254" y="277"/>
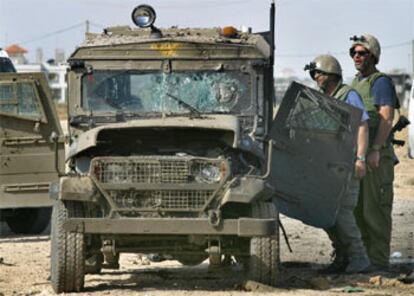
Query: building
<point x="16" y="54"/>
<point x="55" y="73"/>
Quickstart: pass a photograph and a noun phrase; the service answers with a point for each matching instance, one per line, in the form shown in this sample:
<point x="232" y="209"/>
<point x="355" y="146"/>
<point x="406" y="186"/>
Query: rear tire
<point x="67" y="249"/>
<point x="264" y="251"/>
<point x="29" y="220"/>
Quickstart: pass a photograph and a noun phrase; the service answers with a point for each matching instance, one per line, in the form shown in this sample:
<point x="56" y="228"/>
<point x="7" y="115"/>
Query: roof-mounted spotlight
<point x="144" y="16"/>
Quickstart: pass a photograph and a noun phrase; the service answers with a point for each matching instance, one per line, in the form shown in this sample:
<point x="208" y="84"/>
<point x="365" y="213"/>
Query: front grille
<point x="150" y="169"/>
<point x="186" y="200"/>
<point x="159" y="183"/>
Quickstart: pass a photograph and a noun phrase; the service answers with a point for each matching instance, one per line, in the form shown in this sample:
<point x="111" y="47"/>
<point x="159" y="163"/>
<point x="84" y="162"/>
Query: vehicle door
<point x="411" y="126"/>
<point x="313" y="148"/>
<point x="27" y="155"/>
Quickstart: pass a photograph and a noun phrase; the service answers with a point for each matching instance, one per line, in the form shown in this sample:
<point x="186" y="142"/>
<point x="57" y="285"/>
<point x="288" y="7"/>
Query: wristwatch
<point x="376" y="147"/>
<point x="361" y="158"/>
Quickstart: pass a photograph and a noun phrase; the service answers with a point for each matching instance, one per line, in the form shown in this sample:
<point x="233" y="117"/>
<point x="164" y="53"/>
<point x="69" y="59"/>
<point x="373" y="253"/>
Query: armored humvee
<point x="174" y="150"/>
<point x="27" y="120"/>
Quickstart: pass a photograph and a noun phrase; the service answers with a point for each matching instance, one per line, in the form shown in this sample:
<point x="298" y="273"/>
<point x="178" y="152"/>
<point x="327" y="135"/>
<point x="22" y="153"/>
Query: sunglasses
<point x="361" y="53"/>
<point x="313" y="73"/>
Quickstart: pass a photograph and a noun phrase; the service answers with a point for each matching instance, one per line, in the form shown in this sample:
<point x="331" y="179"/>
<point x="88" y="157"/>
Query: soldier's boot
<point x="338" y="265"/>
<point x="358" y="264"/>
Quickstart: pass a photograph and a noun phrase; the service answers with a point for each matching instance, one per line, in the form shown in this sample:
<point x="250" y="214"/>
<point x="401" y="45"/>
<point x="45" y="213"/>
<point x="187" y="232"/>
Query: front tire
<point x="67" y="249"/>
<point x="264" y="251"/>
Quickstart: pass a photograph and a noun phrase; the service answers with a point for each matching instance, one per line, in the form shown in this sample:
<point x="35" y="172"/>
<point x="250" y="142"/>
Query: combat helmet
<point x="369" y="42"/>
<point x="326" y="64"/>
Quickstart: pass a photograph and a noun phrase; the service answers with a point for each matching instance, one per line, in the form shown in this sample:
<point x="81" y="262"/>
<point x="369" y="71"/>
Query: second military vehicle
<point x="174" y="150"/>
<point x="27" y="120"/>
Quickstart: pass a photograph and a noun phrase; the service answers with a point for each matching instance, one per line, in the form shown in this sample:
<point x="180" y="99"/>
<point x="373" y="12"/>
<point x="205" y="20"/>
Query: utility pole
<point x="412" y="59"/>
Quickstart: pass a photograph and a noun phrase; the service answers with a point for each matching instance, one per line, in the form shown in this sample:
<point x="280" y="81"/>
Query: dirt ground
<point x="24" y="263"/>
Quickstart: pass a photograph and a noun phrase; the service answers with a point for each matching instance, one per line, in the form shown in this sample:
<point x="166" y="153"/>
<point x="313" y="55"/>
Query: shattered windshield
<point x="182" y="92"/>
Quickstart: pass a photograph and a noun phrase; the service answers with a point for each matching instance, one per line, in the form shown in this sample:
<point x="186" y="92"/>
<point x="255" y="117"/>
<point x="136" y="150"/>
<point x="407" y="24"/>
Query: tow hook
<point x="214" y="217"/>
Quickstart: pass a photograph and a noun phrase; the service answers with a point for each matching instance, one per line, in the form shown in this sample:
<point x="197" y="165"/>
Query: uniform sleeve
<point x="384" y="93"/>
<point x="354" y="99"/>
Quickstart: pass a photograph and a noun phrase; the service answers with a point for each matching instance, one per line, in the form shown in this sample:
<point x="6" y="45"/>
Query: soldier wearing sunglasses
<point x="350" y="255"/>
<point x="373" y="212"/>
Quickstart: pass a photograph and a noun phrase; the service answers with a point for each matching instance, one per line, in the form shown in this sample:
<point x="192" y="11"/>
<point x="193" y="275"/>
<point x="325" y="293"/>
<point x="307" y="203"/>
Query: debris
<point x="391" y="283"/>
<point x="351" y="289"/>
<point x="376" y="280"/>
<point x="4" y="263"/>
<point x="407" y="279"/>
<point x="141" y="260"/>
<point x="35" y="292"/>
<point x="257" y="287"/>
<point x="320" y="283"/>
<point x="380" y="281"/>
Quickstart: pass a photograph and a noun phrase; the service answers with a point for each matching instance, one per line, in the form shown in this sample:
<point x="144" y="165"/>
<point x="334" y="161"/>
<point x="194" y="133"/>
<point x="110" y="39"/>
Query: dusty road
<point x="24" y="263"/>
<point x="24" y="268"/>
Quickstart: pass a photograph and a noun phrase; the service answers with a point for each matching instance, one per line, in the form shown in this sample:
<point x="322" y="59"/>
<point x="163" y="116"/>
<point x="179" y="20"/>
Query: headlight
<point x="82" y="164"/>
<point x="208" y="172"/>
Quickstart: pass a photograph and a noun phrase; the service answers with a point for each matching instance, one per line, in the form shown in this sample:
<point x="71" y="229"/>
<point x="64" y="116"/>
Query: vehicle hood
<point x="88" y="139"/>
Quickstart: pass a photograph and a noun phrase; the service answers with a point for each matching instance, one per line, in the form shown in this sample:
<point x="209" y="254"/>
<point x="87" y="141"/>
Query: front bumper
<point x="244" y="227"/>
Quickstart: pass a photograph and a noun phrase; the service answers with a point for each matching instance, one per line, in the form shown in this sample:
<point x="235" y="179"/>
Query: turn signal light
<point x="229" y="32"/>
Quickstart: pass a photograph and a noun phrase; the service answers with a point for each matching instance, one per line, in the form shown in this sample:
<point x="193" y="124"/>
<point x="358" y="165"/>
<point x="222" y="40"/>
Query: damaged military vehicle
<point x="174" y="150"/>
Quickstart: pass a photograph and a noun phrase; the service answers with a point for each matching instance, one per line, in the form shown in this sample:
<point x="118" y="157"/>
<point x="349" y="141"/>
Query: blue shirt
<point x="354" y="99"/>
<point x="383" y="92"/>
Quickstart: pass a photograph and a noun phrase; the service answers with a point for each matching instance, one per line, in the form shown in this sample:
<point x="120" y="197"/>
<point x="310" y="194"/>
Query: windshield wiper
<point x="185" y="105"/>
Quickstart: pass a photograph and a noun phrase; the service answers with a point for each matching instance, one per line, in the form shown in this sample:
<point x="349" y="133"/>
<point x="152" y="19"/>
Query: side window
<point x="8" y="101"/>
<point x="19" y="99"/>
<point x="311" y="113"/>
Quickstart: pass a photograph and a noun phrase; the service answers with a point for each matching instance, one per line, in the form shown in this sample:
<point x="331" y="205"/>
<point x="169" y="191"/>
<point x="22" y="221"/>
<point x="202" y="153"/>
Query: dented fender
<point x="76" y="188"/>
<point x="247" y="190"/>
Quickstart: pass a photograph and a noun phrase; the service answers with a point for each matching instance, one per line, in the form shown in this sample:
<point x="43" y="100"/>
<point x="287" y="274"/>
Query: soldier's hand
<point x="360" y="169"/>
<point x="373" y="159"/>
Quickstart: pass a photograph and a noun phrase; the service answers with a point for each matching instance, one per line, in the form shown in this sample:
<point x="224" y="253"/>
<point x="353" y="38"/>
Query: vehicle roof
<point x="124" y="35"/>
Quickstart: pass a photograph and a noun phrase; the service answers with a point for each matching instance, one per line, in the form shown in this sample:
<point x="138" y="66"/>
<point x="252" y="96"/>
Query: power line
<point x="53" y="33"/>
<point x="96" y="25"/>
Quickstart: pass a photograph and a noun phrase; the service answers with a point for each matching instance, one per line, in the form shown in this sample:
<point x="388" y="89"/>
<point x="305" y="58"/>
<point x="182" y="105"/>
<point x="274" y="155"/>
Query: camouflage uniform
<point x="350" y="252"/>
<point x="345" y="234"/>
<point x="373" y="212"/>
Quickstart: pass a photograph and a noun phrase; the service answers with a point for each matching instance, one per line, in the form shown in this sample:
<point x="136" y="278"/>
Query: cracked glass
<point x="181" y="92"/>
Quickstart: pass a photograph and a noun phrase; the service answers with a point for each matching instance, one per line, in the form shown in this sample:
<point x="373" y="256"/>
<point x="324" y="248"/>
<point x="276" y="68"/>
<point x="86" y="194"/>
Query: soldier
<point x="373" y="212"/>
<point x="350" y="253"/>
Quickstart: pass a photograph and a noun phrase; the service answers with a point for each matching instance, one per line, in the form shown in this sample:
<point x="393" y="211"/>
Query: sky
<point x="304" y="28"/>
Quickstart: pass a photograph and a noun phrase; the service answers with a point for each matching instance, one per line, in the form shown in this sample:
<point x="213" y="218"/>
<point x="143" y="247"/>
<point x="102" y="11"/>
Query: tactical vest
<point x="341" y="92"/>
<point x="364" y="86"/>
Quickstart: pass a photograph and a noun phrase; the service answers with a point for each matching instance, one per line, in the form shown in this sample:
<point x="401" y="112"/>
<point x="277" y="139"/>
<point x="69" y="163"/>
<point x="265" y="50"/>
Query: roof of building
<point x="15" y="49"/>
